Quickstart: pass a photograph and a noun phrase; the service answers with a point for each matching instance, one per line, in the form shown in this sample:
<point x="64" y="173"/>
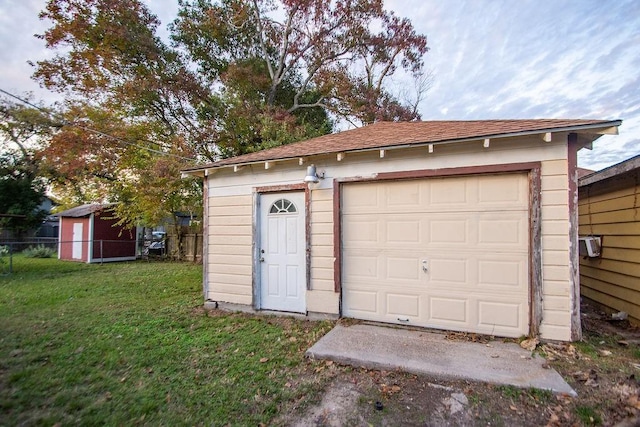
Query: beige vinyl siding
<point x="613" y="279"/>
<point x="229" y="252"/>
<point x="556" y="293"/>
<point x="321" y="297"/>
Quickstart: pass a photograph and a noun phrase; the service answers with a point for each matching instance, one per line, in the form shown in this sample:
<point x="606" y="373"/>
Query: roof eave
<point x="606" y="128"/>
<point x="613" y="171"/>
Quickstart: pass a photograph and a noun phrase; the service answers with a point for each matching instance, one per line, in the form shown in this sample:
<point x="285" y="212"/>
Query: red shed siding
<point x="117" y="242"/>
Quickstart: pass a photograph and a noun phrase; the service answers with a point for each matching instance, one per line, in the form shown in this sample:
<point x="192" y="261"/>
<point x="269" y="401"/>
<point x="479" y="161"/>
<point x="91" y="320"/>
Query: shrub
<point x="40" y="251"/>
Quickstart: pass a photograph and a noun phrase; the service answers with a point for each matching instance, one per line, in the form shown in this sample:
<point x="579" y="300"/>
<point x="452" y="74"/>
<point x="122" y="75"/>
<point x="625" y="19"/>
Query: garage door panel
<point x="403" y="305"/>
<point x="403" y="268"/>
<point x="506" y="272"/>
<point x="362" y="200"/>
<point x="504" y="230"/>
<point x="361" y="301"/>
<point x="362" y="267"/>
<point x="483" y="193"/>
<point x="448" y="271"/>
<point x="445" y="310"/>
<point x="500" y="314"/>
<point x="403" y="194"/>
<point x="449" y="231"/>
<point x="499" y="190"/>
<point x="360" y="230"/>
<point x="471" y="234"/>
<point x="407" y="231"/>
<point x="367" y="266"/>
<point x="447" y="193"/>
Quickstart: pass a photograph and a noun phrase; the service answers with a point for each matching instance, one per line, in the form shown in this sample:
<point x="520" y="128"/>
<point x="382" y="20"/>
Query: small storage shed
<point x="89" y="233"/>
<point x="459" y="225"/>
<point x="610" y="210"/>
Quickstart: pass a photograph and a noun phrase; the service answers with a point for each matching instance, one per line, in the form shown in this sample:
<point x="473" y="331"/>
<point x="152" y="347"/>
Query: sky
<point x="491" y="59"/>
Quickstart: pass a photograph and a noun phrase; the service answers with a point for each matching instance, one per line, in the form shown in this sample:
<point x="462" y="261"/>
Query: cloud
<point x="531" y="59"/>
<point x="19" y="23"/>
<point x="490" y="58"/>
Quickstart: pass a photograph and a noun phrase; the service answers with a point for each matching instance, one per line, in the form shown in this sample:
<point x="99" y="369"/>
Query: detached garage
<point x="459" y="225"/>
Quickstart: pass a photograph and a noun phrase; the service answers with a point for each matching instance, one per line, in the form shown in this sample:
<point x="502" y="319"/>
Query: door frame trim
<point x="257" y="193"/>
<point x="533" y="170"/>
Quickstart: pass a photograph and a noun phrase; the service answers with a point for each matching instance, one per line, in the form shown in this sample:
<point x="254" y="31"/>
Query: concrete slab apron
<point x="430" y="353"/>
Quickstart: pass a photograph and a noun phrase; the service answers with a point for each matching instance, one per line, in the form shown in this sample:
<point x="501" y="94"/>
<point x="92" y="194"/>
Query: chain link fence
<point x="39" y="247"/>
<point x="187" y="247"/>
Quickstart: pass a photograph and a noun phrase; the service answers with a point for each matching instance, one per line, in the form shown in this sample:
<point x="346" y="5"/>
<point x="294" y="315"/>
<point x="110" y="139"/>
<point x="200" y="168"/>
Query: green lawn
<point x="127" y="343"/>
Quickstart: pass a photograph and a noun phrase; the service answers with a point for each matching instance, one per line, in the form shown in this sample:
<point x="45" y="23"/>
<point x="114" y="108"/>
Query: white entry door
<point x="282" y="252"/>
<point x="76" y="249"/>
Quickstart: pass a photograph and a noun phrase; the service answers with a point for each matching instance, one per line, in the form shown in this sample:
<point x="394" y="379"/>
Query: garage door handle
<point x="425" y="265"/>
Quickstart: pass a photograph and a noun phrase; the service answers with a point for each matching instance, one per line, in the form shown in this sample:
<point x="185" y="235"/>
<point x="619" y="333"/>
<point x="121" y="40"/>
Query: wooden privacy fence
<point x="187" y="248"/>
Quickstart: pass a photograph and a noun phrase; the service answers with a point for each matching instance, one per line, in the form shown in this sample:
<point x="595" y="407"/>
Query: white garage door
<point x="449" y="253"/>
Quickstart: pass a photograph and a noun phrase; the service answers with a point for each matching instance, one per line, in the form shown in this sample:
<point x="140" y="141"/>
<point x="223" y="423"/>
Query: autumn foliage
<point x="236" y="76"/>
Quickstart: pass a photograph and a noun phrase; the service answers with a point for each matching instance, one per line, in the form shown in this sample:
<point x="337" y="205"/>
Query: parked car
<point x="157" y="244"/>
<point x="156" y="248"/>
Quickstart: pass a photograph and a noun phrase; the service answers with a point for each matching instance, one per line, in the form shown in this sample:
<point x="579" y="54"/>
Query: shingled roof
<point x="83" y="210"/>
<point x="395" y="134"/>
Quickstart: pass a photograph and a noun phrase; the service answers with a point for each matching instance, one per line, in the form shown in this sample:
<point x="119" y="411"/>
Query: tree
<point x="236" y="79"/>
<point x="319" y="55"/>
<point x="20" y="197"/>
<point x="22" y="189"/>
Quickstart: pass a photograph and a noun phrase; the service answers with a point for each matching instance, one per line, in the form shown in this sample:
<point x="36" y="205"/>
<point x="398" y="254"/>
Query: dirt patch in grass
<point x="603" y="369"/>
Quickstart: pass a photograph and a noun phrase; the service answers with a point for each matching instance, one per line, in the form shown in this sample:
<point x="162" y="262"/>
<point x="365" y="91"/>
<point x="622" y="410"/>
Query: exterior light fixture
<point x="312" y="175"/>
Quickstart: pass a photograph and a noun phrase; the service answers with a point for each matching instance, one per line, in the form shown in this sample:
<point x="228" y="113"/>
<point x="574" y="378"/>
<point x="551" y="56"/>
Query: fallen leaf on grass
<point x="385" y="389"/>
<point x="264" y="359"/>
<point x="591" y="383"/>
<point x="530" y="344"/>
<point x="553" y="420"/>
<point x="513" y="408"/>
<point x="605" y="353"/>
<point x="633" y="402"/>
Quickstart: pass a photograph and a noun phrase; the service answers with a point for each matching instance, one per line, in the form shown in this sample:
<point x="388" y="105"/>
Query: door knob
<point x="261" y="259"/>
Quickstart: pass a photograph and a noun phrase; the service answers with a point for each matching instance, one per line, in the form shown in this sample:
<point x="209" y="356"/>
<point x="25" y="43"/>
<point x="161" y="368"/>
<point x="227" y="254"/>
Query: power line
<point x="95" y="131"/>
